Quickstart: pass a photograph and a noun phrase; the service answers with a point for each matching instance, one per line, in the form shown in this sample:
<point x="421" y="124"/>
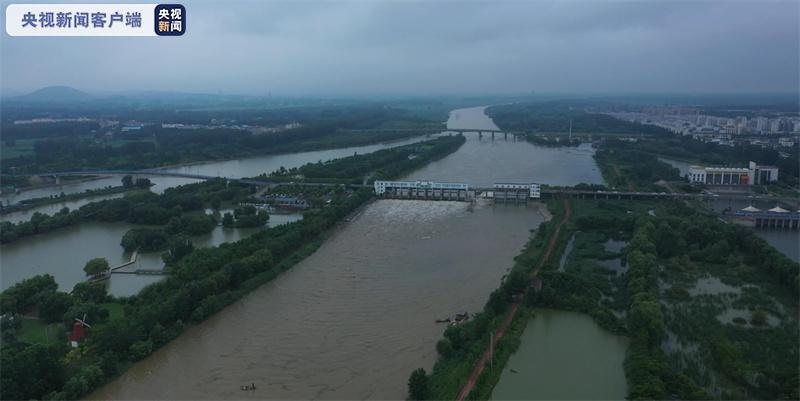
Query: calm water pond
<point x="564" y="356"/>
<point x="63" y="253"/>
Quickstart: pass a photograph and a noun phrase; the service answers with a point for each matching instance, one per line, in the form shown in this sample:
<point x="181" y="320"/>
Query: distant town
<point x="772" y="132"/>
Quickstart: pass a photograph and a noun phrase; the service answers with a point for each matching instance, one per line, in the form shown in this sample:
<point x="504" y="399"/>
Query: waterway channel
<point x="239" y="168"/>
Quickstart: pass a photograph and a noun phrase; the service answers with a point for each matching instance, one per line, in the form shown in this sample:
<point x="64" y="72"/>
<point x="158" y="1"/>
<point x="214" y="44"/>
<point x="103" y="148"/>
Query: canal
<point x="247" y="167"/>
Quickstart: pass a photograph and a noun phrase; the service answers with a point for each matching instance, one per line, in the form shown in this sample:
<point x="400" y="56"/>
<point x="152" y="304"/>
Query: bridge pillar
<point x="480" y="135"/>
<point x="492" y="134"/>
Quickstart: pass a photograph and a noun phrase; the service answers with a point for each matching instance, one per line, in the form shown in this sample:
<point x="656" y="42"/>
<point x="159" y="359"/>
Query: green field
<point x="37" y="331"/>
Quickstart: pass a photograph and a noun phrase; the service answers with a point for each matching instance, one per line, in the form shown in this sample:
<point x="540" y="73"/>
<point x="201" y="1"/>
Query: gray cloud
<point x="433" y="47"/>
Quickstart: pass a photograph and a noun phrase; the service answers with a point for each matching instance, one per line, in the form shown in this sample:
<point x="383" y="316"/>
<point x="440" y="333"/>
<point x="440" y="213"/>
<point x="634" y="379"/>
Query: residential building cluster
<point x="763" y="131"/>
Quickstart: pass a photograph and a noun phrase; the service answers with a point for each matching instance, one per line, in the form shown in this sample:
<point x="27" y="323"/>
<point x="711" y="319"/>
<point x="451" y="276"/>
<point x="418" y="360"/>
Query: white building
<point x="534" y="190"/>
<point x="752" y="175"/>
<point x="381" y="186"/>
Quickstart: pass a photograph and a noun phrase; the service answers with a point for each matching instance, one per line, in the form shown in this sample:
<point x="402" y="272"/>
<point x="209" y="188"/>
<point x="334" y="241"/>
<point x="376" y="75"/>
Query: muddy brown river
<point x="352" y="320"/>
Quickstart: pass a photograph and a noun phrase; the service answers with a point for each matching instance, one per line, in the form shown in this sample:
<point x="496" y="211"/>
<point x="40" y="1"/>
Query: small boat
<point x="445" y="320"/>
<point x="513" y="371"/>
<point x="248" y="388"/>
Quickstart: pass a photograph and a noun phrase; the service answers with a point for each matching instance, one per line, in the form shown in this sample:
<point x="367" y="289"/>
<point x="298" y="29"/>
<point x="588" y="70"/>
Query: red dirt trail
<point x="478" y="369"/>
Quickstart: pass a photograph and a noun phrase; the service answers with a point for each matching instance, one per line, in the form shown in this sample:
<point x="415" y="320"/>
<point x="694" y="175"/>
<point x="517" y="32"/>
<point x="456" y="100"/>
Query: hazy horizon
<point x="363" y="49"/>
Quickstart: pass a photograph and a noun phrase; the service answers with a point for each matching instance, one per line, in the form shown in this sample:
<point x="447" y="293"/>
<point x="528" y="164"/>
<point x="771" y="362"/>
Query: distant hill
<point x="55" y="94"/>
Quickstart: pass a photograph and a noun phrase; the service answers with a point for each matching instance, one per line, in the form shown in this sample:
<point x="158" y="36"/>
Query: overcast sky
<point x="416" y="47"/>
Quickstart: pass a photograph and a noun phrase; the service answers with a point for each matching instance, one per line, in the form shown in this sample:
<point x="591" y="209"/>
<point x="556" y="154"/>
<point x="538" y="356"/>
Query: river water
<point x="248" y="167"/>
<point x="63" y="253"/>
<point x="564" y="356"/>
<point x="352" y="320"/>
<point x="485" y="161"/>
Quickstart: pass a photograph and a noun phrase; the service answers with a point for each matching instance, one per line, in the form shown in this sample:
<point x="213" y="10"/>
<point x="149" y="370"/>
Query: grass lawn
<point x="38" y="331"/>
<point x="114" y="309"/>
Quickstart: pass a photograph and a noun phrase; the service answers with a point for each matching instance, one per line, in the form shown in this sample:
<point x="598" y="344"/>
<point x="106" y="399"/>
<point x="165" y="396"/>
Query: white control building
<point x="382" y="186"/>
<point x="503" y="189"/>
<point x="752" y="175"/>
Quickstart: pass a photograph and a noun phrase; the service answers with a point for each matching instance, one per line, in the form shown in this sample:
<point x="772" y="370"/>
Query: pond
<point x="564" y="356"/>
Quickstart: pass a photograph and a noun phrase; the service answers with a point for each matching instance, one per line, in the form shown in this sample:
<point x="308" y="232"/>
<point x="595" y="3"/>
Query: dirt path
<point x="478" y="369"/>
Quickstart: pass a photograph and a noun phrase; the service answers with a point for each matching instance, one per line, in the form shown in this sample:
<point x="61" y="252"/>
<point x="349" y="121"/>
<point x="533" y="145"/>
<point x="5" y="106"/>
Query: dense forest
<point x="202" y="282"/>
<point x="84" y="146"/>
<point x="555" y="116"/>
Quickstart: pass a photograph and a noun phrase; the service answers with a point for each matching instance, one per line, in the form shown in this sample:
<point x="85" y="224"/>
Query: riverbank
<point x="463" y="350"/>
<point x="69" y="180"/>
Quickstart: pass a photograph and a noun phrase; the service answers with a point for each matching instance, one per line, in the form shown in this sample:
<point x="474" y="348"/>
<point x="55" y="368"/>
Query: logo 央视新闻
<point x="170" y="20"/>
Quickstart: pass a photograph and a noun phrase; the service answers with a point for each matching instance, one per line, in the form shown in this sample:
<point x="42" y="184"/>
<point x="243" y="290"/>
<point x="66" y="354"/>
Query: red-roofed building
<point x="77" y="334"/>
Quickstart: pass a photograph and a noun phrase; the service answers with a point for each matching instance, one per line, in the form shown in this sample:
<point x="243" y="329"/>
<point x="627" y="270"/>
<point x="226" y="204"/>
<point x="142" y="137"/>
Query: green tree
<point x="96" y="266"/>
<point x="227" y="220"/>
<point x="90" y="292"/>
<point x="418" y="385"/>
<point x="30" y="371"/>
<point x="53" y="305"/>
<point x="444" y="347"/>
<point x="127" y="181"/>
<point x="216" y="202"/>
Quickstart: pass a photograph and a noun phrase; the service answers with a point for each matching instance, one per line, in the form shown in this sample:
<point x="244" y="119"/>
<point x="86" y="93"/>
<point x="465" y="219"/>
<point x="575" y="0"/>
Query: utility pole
<point x="491" y="350"/>
<point x="570" y="130"/>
